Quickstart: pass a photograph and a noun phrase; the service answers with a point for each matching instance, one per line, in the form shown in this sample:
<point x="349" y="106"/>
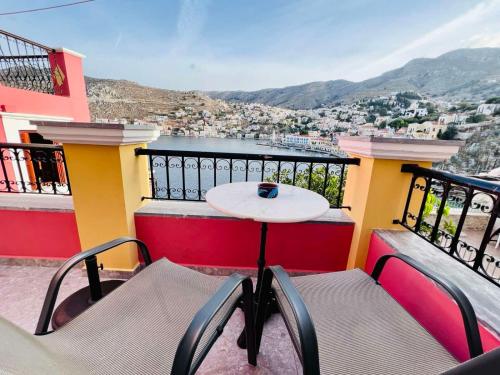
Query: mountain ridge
<point x="462" y="74"/>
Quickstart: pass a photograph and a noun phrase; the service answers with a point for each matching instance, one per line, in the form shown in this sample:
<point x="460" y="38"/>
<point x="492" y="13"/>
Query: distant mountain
<point x="110" y="98"/>
<point x="464" y="74"/>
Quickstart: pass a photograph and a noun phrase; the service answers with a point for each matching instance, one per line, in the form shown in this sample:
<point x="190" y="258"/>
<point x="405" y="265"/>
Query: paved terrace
<point x="23" y="290"/>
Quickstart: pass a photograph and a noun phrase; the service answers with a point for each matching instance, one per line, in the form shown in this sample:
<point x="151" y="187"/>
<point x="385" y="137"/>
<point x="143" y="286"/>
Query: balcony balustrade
<point x="25" y="64"/>
<point x="438" y="194"/>
<point x="187" y="175"/>
<point x="33" y="168"/>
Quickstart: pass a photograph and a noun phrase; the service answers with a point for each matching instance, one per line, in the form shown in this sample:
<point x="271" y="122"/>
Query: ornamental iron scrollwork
<point x="459" y="215"/>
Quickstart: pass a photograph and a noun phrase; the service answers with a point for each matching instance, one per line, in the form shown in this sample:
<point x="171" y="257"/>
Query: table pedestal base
<point x="78" y="302"/>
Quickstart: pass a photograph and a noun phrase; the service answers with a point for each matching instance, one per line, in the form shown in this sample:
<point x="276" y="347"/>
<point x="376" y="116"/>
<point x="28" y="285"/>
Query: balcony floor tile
<point x="23" y="290"/>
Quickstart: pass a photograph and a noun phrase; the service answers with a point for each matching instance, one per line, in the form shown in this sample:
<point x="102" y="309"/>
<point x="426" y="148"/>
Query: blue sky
<point x="254" y="44"/>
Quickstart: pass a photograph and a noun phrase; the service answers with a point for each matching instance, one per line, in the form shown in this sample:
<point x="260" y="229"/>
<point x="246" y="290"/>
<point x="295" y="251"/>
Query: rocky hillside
<point x="481" y="153"/>
<point x="110" y="99"/>
<point x="469" y="74"/>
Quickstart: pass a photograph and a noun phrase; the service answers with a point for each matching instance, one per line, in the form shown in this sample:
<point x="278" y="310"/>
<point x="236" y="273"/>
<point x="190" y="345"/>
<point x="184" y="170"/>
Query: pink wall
<point x="224" y="242"/>
<point x="72" y="104"/>
<point x="426" y="302"/>
<point x="38" y="234"/>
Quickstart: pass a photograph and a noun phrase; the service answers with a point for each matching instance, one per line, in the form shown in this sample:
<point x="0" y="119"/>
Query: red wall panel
<point x="432" y="307"/>
<point x="232" y="243"/>
<point x="38" y="234"/>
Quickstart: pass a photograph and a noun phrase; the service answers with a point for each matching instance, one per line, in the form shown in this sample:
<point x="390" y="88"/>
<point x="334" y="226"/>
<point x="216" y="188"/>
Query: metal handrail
<point x="187" y="175"/>
<point x="235" y="155"/>
<point x="470" y="182"/>
<point x="462" y="192"/>
<point x="25" y="64"/>
<point x="25" y="40"/>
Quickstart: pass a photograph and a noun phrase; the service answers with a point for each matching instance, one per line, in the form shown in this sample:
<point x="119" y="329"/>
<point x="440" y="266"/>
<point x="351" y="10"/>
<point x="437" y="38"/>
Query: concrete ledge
<point x="96" y="133"/>
<point x="203" y="210"/>
<point x="483" y="295"/>
<point x="400" y="148"/>
<point x="35" y="202"/>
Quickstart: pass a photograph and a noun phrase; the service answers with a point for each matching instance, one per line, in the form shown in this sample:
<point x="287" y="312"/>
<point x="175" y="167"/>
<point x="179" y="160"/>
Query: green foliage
<point x="434" y="202"/>
<point x="404" y="102"/>
<point x="494" y="100"/>
<point x="370" y="118"/>
<point x="462" y="107"/>
<point x="317" y="182"/>
<point x="431" y="108"/>
<point x="379" y="106"/>
<point x="450" y="132"/>
<point x="399" y="123"/>
<point x="382" y="125"/>
<point x="476" y="118"/>
<point x="409" y="95"/>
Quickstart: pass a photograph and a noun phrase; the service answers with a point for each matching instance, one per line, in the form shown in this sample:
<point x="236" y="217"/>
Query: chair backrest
<point x="485" y="364"/>
<point x="23" y="353"/>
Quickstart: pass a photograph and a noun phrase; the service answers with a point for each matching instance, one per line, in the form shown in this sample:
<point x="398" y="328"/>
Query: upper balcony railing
<point x="458" y="215"/>
<point x="187" y="175"/>
<point x="25" y="64"/>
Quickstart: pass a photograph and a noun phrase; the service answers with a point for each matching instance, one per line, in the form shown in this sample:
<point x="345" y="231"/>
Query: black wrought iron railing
<point x="457" y="214"/>
<point x="25" y="64"/>
<point x="33" y="168"/>
<point x="188" y="175"/>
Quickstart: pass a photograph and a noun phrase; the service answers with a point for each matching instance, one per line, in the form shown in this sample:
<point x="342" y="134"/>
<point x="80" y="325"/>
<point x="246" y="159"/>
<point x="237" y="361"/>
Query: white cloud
<point x="483" y="40"/>
<point x="478" y="27"/>
<point x="190" y="22"/>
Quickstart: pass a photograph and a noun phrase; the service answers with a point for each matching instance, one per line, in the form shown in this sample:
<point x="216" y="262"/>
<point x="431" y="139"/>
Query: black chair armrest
<point x="187" y="347"/>
<point x="55" y="283"/>
<point x="305" y="326"/>
<point x="485" y="364"/>
<point x="466" y="309"/>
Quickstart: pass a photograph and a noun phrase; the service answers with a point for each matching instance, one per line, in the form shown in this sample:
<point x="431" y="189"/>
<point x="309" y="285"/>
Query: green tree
<point x="476" y="118"/>
<point x="370" y="118"/>
<point x="398" y="123"/>
<point x="317" y="182"/>
<point x="450" y="132"/>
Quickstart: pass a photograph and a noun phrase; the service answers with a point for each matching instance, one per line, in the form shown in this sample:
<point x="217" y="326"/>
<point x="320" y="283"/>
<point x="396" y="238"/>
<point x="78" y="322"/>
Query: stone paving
<point x="23" y="288"/>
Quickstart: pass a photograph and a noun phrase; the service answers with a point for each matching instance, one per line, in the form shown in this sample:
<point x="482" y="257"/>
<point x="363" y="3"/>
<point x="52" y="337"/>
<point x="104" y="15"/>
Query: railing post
<point x="107" y="181"/>
<point x="376" y="190"/>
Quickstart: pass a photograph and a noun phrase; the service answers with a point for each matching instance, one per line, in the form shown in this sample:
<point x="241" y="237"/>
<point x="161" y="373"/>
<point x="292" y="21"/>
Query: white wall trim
<point x="70" y="52"/>
<point x="99" y="136"/>
<point x="31" y="116"/>
<point x="415" y="151"/>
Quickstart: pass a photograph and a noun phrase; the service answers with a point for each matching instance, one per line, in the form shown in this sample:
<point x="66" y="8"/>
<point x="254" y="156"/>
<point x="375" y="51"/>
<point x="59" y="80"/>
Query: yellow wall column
<point x="107" y="182"/>
<point x="376" y="190"/>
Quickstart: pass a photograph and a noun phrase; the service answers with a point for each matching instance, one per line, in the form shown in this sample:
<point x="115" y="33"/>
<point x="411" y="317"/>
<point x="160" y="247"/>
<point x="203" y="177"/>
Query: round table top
<point x="292" y="205"/>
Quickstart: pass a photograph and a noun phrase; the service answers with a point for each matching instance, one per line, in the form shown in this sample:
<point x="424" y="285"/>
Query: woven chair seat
<point x="361" y="329"/>
<point x="134" y="330"/>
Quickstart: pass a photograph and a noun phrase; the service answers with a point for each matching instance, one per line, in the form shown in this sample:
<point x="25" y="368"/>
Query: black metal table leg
<point x="261" y="264"/>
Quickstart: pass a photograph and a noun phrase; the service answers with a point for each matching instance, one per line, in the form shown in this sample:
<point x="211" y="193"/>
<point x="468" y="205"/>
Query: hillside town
<point x="402" y="115"/>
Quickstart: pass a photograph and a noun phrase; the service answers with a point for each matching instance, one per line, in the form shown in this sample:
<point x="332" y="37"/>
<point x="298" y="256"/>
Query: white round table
<point x="292" y="205"/>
